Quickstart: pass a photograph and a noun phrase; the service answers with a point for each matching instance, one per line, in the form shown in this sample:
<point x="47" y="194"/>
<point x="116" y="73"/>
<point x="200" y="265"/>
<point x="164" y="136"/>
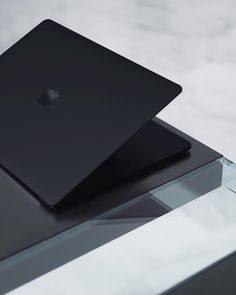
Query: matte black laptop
<point x="70" y="107"/>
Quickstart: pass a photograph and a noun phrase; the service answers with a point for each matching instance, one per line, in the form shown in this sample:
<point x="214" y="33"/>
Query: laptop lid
<point x="66" y="105"/>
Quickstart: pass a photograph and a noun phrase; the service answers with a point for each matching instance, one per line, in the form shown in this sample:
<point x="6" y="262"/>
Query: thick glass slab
<point x="155" y="207"/>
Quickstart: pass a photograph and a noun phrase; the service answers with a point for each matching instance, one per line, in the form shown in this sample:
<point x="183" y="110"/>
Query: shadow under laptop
<point x="126" y="174"/>
<point x="109" y="187"/>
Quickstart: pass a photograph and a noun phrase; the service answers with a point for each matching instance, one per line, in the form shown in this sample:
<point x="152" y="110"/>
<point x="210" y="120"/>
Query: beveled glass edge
<point x="72" y="232"/>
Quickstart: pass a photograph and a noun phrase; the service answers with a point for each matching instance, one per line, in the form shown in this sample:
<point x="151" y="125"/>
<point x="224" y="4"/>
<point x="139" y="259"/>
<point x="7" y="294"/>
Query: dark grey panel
<point x="25" y="222"/>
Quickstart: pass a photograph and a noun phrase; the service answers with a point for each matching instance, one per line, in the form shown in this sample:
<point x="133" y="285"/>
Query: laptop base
<point x="145" y="151"/>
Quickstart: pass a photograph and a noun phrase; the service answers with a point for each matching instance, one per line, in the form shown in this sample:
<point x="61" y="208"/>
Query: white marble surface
<point x="191" y="42"/>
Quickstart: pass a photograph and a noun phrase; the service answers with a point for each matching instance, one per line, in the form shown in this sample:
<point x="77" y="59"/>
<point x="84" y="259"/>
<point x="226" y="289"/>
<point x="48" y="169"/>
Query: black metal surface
<point x="25" y="222"/>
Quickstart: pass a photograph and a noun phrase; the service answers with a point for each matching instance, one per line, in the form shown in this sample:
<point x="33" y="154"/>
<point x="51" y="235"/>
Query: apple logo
<point x="49" y="96"/>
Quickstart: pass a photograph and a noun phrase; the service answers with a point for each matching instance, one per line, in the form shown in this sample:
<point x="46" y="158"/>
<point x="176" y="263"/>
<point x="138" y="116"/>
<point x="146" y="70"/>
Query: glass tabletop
<point x="157" y="211"/>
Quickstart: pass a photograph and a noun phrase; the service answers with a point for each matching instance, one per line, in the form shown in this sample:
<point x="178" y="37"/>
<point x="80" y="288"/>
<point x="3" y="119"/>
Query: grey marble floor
<point x="191" y="42"/>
